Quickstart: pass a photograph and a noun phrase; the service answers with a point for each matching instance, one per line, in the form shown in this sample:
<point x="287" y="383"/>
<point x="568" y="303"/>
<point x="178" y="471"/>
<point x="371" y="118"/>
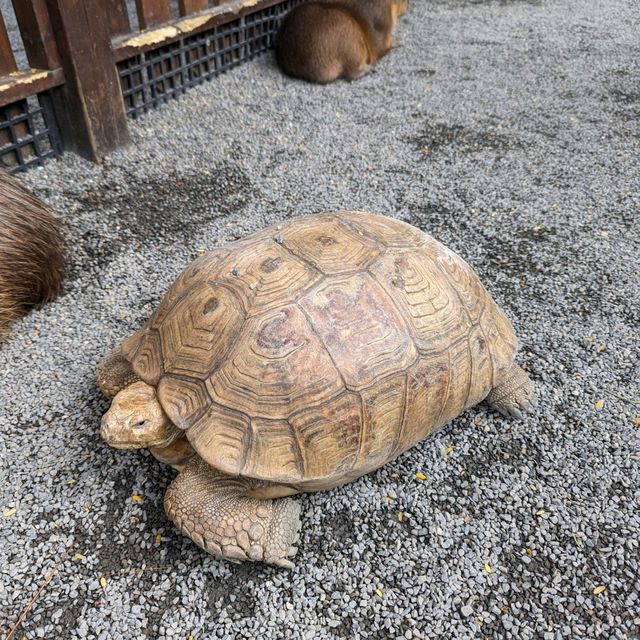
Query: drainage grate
<point x="151" y="78"/>
<point x="28" y="133"/>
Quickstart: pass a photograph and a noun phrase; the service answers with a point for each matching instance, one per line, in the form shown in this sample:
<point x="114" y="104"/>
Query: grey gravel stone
<point x="508" y="130"/>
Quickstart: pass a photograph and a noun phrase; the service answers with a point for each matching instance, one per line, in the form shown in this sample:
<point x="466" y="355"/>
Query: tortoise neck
<point x="173" y="433"/>
<point x="175" y="453"/>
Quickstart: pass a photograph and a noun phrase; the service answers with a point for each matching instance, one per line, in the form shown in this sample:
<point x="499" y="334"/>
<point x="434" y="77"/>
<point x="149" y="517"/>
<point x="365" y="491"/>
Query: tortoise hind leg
<point x="515" y="395"/>
<point x="214" y="511"/>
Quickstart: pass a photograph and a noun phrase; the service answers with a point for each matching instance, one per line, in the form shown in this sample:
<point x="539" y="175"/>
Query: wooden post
<point x="93" y="121"/>
<point x="153" y="12"/>
<point x="7" y="61"/>
<point x="187" y="7"/>
<point x="40" y="46"/>
<point x="7" y="65"/>
<point x="37" y="35"/>
<point x="119" y="18"/>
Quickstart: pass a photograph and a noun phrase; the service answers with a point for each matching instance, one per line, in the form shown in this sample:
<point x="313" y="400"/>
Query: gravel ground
<point x="509" y="131"/>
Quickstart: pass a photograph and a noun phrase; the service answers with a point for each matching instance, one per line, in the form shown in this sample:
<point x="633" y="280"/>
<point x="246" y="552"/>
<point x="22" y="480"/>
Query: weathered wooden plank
<point x="127" y="47"/>
<point x="119" y="17"/>
<point x="37" y="35"/>
<point x="94" y="120"/>
<point x="153" y="12"/>
<point x="187" y="7"/>
<point x="22" y="84"/>
<point x="7" y="61"/>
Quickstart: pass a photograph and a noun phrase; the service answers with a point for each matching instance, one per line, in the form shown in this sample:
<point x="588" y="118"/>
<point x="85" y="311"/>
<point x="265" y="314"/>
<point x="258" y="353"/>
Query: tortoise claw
<point x="283" y="563"/>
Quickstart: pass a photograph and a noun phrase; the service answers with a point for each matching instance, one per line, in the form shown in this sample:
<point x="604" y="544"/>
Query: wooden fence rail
<point x="45" y="71"/>
<point x="89" y="65"/>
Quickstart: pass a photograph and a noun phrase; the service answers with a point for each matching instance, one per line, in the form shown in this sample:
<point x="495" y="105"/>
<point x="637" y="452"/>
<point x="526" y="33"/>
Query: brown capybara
<point x="31" y="261"/>
<point x="323" y="41"/>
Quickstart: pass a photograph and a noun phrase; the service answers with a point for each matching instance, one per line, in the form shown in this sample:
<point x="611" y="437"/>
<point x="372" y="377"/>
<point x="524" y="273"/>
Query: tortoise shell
<point x="321" y="348"/>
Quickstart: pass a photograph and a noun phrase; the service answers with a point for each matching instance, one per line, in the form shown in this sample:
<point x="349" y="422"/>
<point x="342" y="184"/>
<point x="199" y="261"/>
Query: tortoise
<point x="298" y="359"/>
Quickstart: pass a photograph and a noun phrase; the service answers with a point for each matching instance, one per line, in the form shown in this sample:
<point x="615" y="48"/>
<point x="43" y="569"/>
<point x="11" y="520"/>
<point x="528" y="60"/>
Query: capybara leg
<point x="353" y="73"/>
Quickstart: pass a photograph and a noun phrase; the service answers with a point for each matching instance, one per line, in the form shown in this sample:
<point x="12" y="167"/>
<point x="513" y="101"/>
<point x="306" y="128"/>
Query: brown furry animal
<point x="31" y="261"/>
<point x="326" y="40"/>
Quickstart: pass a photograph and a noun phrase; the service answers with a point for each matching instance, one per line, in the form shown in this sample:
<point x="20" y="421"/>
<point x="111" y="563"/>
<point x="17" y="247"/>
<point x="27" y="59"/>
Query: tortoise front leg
<point x="214" y="511"/>
<point x="115" y="373"/>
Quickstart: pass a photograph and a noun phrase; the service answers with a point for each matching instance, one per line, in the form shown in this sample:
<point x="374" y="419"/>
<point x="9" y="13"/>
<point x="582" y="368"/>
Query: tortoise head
<point x="136" y="420"/>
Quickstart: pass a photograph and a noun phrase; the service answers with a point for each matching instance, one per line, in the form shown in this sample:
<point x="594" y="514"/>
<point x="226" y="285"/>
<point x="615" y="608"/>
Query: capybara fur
<point x="323" y="41"/>
<point x="31" y="260"/>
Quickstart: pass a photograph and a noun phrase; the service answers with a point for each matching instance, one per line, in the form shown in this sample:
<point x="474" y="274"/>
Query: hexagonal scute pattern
<point x="131" y="343"/>
<point x="461" y="379"/>
<point x="201" y="270"/>
<point x="384" y="408"/>
<point x="329" y="245"/>
<point x="441" y="386"/>
<point x="182" y="400"/>
<point x="329" y="437"/>
<point x="319" y="349"/>
<point x="264" y="275"/>
<point x="482" y="368"/>
<point x="221" y="436"/>
<point x="147" y="361"/>
<point x="199" y="331"/>
<point x="388" y="231"/>
<point x="360" y="327"/>
<point x="501" y="338"/>
<point x="424" y="296"/>
<point x="278" y="366"/>
<point x="428" y="383"/>
<point x="464" y="280"/>
<point x="275" y="453"/>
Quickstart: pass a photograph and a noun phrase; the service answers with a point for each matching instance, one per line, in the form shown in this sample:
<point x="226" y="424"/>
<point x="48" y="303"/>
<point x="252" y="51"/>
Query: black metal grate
<point x="28" y="133"/>
<point x="151" y="78"/>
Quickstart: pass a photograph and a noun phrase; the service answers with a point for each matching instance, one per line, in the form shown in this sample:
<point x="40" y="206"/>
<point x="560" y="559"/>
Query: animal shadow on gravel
<point x="171" y="207"/>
